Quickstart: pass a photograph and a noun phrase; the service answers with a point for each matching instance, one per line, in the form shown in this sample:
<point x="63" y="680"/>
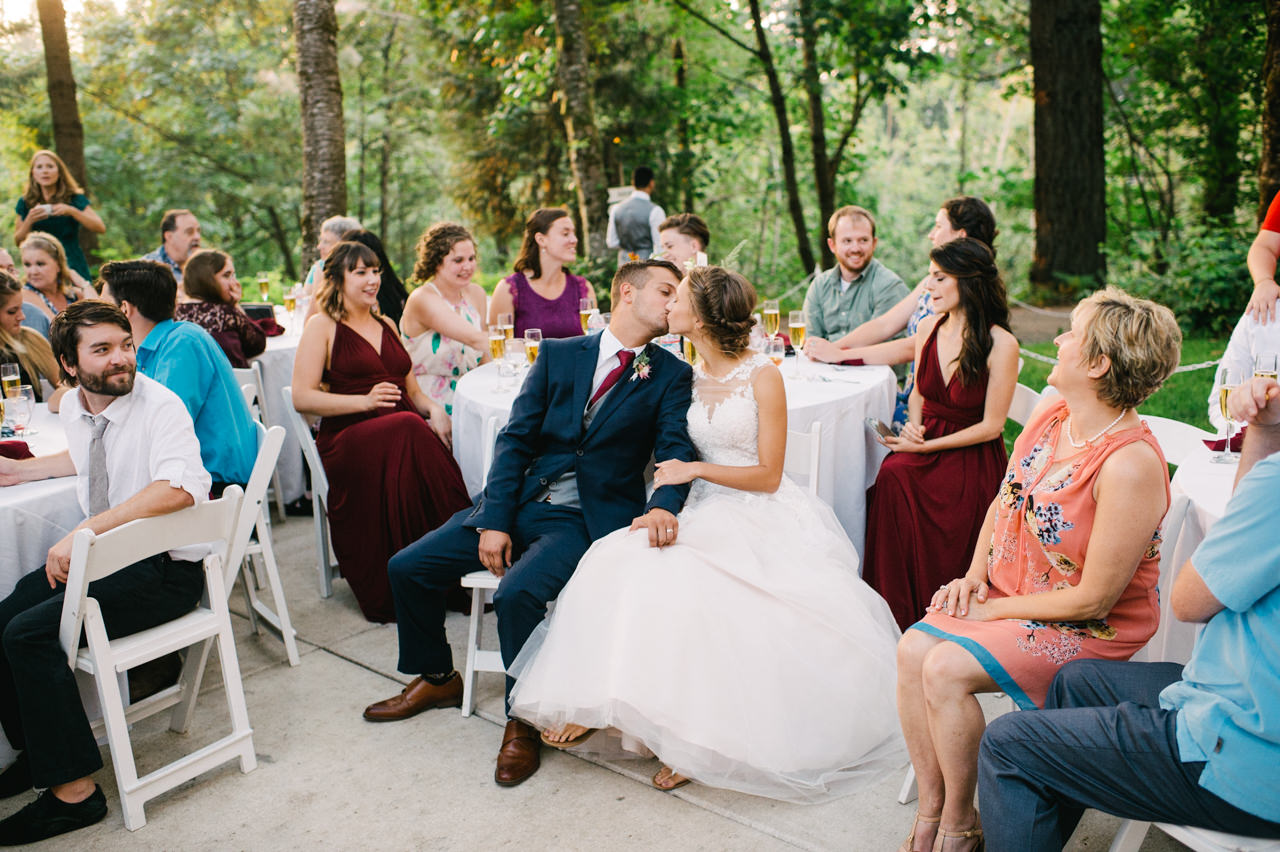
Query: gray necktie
<point x="98" y="484"/>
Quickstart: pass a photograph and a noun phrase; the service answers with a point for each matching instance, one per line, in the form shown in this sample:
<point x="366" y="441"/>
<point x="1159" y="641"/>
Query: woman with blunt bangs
<point x="383" y="442"/>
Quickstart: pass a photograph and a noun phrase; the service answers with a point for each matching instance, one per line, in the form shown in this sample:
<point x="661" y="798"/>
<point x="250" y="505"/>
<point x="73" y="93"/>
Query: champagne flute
<point x="1228" y="378"/>
<point x="9" y="378"/>
<point x="772" y="318"/>
<point x="584" y="312"/>
<point x="690" y="351"/>
<point x="1264" y="366"/>
<point x="497" y="344"/>
<point x="291" y="299"/>
<point x="264" y="286"/>
<point x="506" y="322"/>
<point x="532" y="342"/>
<point x="796" y="327"/>
<point x="774" y="348"/>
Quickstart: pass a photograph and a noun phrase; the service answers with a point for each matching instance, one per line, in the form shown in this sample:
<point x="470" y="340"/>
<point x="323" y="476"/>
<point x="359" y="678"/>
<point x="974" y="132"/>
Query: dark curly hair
<point x="724" y="301"/>
<point x="982" y="300"/>
<point x="434" y="246"/>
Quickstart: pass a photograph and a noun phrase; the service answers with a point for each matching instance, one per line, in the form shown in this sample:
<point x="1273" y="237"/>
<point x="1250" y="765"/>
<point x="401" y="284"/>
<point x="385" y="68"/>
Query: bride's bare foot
<point x="568" y="732"/>
<point x="667" y="779"/>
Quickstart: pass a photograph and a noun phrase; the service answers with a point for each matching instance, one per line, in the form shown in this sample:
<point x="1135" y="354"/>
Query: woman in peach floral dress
<point x="1066" y="564"/>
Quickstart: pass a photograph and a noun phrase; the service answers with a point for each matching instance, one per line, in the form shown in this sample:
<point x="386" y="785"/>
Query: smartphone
<point x="879" y="427"/>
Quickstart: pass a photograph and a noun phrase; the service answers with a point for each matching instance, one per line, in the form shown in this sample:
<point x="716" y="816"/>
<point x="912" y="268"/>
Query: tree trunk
<point x="68" y="132"/>
<point x="778" y="100"/>
<point x="1219" y="165"/>
<point x="585" y="156"/>
<point x="1269" y="168"/>
<point x="823" y="173"/>
<point x="684" y="157"/>
<point x="324" y="158"/>
<point x="1070" y="183"/>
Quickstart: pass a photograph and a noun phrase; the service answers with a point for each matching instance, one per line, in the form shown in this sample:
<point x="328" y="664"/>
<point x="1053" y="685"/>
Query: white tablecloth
<point x="35" y="515"/>
<point x="277" y="373"/>
<point x="841" y="398"/>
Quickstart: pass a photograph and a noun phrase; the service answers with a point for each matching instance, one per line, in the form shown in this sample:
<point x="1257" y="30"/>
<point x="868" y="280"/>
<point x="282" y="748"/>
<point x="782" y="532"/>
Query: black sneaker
<point x="16" y="778"/>
<point x="298" y="508"/>
<point x="49" y="816"/>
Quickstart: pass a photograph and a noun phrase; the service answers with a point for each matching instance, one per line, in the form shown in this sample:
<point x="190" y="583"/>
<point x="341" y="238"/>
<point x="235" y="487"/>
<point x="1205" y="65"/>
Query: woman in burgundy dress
<point x="391" y="476"/>
<point x="542" y="292"/>
<point x="931" y="496"/>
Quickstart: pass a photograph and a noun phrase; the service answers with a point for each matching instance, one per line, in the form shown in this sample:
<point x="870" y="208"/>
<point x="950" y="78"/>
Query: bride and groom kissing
<point x="736" y="641"/>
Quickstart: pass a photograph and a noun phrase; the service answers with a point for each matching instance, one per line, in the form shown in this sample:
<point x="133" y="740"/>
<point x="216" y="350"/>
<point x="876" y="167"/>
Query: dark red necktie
<point x="625" y="356"/>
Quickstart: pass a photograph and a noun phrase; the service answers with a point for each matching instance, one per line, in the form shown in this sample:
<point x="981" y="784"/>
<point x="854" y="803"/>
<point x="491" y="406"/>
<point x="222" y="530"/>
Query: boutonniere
<point x="642" y="367"/>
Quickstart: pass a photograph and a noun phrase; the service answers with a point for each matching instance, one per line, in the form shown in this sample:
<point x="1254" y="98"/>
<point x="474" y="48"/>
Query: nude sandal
<point x="975" y="834"/>
<point x="909" y="844"/>
<point x="673" y="773"/>
<point x="570" y="743"/>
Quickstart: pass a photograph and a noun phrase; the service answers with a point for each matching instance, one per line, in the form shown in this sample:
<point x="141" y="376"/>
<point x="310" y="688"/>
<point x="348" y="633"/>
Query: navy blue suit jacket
<point x="545" y="438"/>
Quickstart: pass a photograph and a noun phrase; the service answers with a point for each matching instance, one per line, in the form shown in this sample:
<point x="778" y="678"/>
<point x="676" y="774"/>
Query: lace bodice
<point x="724" y="421"/>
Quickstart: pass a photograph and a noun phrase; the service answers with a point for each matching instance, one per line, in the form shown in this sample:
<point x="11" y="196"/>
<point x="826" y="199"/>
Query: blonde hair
<point x="63" y="191"/>
<point x="31" y="350"/>
<point x="52" y="246"/>
<point x="1140" y="338"/>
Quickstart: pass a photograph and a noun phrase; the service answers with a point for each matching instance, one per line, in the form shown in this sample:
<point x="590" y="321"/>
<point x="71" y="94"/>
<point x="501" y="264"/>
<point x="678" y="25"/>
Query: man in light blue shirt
<point x="184" y="358"/>
<point x="1156" y="742"/>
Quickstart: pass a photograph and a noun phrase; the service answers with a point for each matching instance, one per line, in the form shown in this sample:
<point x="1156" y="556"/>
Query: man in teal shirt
<point x="184" y="358"/>
<point x="1158" y="742"/>
<point x="858" y="287"/>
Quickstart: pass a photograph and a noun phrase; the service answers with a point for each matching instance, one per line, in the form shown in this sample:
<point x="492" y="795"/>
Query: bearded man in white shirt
<point x="133" y="448"/>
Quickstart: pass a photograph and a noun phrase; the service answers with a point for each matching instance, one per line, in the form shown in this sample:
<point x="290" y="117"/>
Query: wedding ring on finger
<point x="670" y="531"/>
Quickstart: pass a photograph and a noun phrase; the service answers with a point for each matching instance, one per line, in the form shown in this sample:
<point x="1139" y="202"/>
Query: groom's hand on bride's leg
<point x="661" y="524"/>
<point x="495" y="551"/>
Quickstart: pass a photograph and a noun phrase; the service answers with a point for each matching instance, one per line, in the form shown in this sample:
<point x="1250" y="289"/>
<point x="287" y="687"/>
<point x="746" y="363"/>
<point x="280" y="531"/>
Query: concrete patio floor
<point x="327" y="779"/>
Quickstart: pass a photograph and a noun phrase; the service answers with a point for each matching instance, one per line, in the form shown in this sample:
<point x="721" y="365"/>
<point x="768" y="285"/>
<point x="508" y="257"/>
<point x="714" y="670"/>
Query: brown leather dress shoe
<point x="419" y="695"/>
<point x="518" y="758"/>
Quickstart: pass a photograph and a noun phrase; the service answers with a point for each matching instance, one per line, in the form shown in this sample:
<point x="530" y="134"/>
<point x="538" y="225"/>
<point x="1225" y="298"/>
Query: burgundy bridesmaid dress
<point x="391" y="479"/>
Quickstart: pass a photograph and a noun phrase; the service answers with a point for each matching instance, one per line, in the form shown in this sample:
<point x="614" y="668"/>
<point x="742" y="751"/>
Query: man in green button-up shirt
<point x="859" y="287"/>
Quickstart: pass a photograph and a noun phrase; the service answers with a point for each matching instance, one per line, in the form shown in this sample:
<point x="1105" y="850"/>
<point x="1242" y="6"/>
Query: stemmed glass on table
<point x="19" y="409"/>
<point x="1228" y="378"/>
<point x="796" y="326"/>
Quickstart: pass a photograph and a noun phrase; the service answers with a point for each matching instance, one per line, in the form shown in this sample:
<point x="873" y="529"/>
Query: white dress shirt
<point x="151" y="439"/>
<point x="607" y="359"/>
<point x="1249" y="340"/>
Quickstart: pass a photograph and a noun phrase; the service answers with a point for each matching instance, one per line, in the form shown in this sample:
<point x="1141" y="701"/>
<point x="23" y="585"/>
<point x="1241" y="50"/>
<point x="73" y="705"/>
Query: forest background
<point x="759" y="115"/>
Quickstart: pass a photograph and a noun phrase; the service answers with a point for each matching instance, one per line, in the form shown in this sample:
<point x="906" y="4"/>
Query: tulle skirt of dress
<point x="748" y="656"/>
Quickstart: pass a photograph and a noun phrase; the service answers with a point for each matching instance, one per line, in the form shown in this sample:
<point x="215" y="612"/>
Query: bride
<point x="748" y="654"/>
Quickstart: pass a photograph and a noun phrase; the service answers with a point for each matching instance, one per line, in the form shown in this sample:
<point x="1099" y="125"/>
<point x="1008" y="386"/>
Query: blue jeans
<point x="546" y="543"/>
<point x="1101" y="742"/>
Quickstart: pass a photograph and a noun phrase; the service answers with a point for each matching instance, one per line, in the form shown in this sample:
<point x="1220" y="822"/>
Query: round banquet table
<point x="840" y="398"/>
<point x="35" y="515"/>
<point x="277" y="373"/>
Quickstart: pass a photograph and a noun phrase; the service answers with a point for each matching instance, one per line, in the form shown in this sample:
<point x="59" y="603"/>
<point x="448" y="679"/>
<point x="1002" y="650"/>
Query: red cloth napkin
<point x="1237" y="442"/>
<point x="16" y="450"/>
<point x="853" y="362"/>
<point x="270" y="327"/>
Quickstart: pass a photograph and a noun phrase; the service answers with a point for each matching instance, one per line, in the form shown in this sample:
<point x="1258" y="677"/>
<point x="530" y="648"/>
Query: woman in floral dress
<point x="1066" y="563"/>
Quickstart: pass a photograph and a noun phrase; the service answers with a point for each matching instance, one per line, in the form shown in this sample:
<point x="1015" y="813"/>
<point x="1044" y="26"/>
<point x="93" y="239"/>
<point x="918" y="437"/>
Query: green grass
<point x="1183" y="397"/>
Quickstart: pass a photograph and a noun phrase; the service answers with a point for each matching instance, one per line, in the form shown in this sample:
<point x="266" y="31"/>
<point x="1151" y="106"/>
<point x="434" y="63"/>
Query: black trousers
<point x="40" y="707"/>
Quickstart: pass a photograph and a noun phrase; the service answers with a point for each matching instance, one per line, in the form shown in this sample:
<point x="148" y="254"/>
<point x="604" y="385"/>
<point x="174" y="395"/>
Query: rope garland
<point x="1184" y="368"/>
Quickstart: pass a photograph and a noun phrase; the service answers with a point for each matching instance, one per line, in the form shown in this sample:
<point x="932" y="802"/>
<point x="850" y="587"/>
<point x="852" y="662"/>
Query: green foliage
<point x="1201" y="278"/>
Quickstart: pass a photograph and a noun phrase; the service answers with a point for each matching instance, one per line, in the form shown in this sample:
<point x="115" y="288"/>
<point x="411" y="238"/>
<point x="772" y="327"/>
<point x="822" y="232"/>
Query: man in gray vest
<point x="633" y="224"/>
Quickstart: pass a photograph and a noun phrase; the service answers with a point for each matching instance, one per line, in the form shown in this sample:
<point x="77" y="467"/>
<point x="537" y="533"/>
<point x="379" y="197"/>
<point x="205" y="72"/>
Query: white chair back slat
<point x="1177" y="439"/>
<point x="1024" y="402"/>
<point x="298" y="424"/>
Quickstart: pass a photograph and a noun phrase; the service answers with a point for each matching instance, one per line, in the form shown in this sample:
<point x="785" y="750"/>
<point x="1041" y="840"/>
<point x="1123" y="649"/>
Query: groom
<point x="567" y="469"/>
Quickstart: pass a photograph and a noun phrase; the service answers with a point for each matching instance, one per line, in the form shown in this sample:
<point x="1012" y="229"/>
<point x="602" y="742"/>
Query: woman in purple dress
<point x="542" y="292"/>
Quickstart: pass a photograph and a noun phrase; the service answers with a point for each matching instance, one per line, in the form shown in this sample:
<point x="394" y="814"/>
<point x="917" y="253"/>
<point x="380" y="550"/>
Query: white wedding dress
<point x="749" y="655"/>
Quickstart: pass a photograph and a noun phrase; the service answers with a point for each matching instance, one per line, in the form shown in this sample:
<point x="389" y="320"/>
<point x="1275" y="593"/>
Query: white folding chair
<point x="325" y="563"/>
<point x="1024" y="402"/>
<point x="803" y="455"/>
<point x="94" y="557"/>
<point x="1131" y="834"/>
<point x="243" y="551"/>
<point x="482" y="585"/>
<point x="252" y="376"/>
<point x="1177" y="439"/>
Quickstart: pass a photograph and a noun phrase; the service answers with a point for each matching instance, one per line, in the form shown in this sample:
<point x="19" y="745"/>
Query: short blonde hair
<point x="1140" y="338"/>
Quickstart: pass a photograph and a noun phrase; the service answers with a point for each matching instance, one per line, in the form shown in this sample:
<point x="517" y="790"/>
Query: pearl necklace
<point x="1087" y="441"/>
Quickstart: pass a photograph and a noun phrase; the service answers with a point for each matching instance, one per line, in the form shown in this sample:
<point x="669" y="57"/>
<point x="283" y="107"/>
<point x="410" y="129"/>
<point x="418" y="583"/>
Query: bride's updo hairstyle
<point x="723" y="300"/>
